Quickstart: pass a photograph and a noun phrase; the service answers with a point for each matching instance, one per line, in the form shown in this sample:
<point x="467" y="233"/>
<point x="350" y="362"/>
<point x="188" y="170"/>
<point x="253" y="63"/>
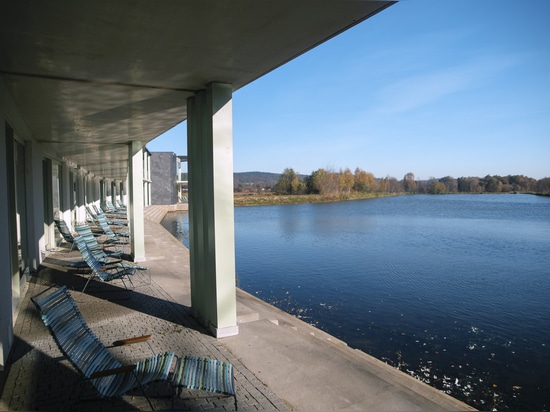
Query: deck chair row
<point x="104" y="261"/>
<point x="112" y="237"/>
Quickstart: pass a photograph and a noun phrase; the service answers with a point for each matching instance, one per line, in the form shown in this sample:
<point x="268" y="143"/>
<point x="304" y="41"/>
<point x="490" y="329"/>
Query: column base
<point x="224" y="332"/>
<point x="216" y="332"/>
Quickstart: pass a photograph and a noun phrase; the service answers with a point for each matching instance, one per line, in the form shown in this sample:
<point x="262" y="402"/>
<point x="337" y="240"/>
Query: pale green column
<point x="135" y="202"/>
<point x="80" y="196"/>
<point x="65" y="194"/>
<point x="39" y="232"/>
<point x="6" y="248"/>
<point x="211" y="215"/>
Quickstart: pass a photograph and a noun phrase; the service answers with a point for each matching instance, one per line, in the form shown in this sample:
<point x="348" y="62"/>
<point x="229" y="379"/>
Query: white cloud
<point x="419" y="90"/>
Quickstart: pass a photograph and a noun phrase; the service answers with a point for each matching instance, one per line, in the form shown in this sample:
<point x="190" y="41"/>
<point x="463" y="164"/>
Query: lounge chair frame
<point x="107" y="375"/>
<point x="111" y="249"/>
<point x="104" y="272"/>
<point x="90" y="357"/>
<point x="65" y="231"/>
<point x="104" y="225"/>
<point x="108" y="261"/>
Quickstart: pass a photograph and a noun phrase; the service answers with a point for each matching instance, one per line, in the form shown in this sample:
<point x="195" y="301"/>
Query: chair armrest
<point x="129" y="341"/>
<point x="115" y="371"/>
<point x="111" y="262"/>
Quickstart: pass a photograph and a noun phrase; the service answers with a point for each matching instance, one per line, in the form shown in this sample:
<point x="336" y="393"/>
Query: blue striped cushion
<point x="206" y="374"/>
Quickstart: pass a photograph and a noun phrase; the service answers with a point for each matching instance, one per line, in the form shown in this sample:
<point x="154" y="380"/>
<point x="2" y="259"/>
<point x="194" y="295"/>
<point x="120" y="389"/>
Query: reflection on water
<point x="449" y="289"/>
<point x="178" y="225"/>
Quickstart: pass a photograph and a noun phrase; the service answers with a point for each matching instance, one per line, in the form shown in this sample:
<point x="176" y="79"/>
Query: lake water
<point x="452" y="289"/>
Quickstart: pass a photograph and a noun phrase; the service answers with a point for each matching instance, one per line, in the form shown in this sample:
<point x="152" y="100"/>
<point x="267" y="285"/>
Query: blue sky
<point x="433" y="87"/>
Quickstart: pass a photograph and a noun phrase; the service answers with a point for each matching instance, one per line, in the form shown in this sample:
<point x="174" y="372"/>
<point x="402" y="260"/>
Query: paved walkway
<point x="280" y="362"/>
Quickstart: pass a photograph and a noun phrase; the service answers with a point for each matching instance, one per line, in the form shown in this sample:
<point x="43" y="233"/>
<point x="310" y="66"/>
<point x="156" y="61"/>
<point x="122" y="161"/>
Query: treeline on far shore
<point x="345" y="183"/>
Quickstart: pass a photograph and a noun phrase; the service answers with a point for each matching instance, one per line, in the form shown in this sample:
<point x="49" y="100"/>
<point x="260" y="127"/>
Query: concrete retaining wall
<point x="156" y="213"/>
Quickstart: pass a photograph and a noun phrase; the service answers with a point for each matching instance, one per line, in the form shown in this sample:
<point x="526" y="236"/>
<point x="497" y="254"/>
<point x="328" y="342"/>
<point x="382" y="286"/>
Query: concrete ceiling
<point x="89" y="77"/>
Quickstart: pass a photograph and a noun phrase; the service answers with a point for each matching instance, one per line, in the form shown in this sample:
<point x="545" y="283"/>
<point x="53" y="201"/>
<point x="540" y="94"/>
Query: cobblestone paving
<point x="39" y="378"/>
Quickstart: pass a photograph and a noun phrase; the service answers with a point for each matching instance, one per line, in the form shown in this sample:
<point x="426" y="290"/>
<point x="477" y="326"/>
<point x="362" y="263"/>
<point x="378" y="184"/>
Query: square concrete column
<point x="135" y="206"/>
<point x="211" y="214"/>
<point x="6" y="248"/>
<point x="65" y="190"/>
<point x="80" y="196"/>
<point x="36" y="191"/>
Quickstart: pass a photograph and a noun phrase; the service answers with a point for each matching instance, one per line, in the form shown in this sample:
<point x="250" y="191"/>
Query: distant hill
<point x="254" y="178"/>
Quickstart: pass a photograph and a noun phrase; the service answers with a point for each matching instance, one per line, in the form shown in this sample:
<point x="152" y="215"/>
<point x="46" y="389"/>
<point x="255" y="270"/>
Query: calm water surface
<point x="453" y="290"/>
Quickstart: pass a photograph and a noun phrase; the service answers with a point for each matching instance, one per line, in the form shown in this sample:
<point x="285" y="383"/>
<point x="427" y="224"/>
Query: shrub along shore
<point x="267" y="199"/>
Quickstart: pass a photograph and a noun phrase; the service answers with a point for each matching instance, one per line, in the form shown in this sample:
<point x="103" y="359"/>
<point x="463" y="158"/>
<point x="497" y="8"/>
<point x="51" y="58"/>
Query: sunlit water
<point x="453" y="290"/>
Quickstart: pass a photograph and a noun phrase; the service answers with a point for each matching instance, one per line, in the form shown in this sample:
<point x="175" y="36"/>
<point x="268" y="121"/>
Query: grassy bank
<point x="251" y="199"/>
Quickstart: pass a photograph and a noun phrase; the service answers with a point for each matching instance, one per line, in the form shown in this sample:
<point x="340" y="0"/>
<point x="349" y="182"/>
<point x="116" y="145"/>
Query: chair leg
<point x="130" y="281"/>
<point x="179" y="390"/>
<point x="85" y="286"/>
<point x="142" y="388"/>
<point x="144" y="276"/>
<point x="126" y="287"/>
<point x="80" y="382"/>
<point x="126" y="290"/>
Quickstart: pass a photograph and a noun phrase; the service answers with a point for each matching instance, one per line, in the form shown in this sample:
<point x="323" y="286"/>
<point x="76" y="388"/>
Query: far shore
<point x="268" y="199"/>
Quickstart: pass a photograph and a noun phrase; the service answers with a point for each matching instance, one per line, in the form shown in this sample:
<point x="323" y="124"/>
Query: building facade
<point x="165" y="167"/>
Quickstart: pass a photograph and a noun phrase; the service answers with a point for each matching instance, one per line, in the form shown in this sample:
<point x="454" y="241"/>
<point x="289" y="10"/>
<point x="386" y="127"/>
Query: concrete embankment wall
<point x="156" y="213"/>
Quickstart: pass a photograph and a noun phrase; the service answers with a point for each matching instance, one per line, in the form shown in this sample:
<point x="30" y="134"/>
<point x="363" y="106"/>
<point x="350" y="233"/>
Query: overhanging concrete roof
<point x="88" y="77"/>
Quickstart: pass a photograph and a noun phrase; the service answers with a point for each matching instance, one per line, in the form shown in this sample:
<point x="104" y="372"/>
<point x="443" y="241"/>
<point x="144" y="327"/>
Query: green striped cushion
<point x="206" y="374"/>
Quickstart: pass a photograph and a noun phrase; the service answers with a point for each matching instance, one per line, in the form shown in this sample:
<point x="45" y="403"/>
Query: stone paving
<point x="39" y="378"/>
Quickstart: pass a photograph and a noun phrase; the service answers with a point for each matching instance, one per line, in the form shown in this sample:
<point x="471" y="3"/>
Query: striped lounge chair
<point x="106" y="374"/>
<point x="90" y="357"/>
<point x="105" y="271"/>
<point x="104" y="225"/>
<point x="64" y="231"/>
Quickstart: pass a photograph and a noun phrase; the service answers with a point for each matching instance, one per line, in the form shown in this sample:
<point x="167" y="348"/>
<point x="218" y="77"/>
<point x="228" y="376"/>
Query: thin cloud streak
<point x="417" y="91"/>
